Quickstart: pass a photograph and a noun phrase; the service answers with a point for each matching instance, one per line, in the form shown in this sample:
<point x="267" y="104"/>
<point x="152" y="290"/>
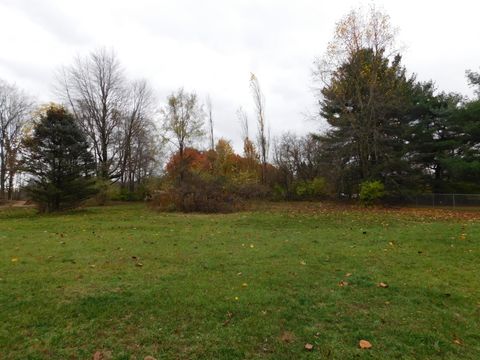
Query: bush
<point x="371" y="192"/>
<point x="311" y="188"/>
<point x="105" y="191"/>
<point x="126" y="195"/>
<point x="249" y="191"/>
<point x="196" y="194"/>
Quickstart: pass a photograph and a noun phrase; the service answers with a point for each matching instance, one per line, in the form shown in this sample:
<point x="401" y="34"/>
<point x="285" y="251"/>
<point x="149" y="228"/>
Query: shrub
<point x="249" y="191"/>
<point x="124" y="194"/>
<point x="105" y="191"/>
<point x="279" y="193"/>
<point x="196" y="194"/>
<point x="315" y="188"/>
<point x="371" y="192"/>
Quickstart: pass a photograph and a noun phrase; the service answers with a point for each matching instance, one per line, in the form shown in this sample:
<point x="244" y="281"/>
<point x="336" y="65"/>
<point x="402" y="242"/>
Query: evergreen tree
<point x="444" y="140"/>
<point x="432" y="135"/>
<point x="365" y="103"/>
<point x="58" y="159"/>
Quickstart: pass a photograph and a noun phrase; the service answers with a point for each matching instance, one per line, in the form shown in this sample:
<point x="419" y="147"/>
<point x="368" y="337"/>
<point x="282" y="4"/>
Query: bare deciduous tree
<point x="136" y="148"/>
<point x="15" y="108"/>
<point x="243" y="120"/>
<point x="210" y="122"/>
<point x="249" y="150"/>
<point x="94" y="87"/>
<point x="262" y="132"/>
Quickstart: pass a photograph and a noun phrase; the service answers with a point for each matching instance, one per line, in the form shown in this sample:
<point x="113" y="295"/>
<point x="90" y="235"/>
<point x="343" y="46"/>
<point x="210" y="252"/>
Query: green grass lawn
<point x="129" y="282"/>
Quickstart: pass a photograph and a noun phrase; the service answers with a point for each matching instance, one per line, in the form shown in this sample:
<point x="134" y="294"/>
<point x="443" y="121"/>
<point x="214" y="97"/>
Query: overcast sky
<point x="211" y="47"/>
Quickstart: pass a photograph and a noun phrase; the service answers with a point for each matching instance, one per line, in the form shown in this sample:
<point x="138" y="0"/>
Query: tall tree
<point x="431" y="135"/>
<point x="138" y="136"/>
<point x="249" y="149"/>
<point x="15" y="109"/>
<point x="210" y="122"/>
<point x="359" y="29"/>
<point x="365" y="104"/>
<point x="95" y="88"/>
<point x="262" y="131"/>
<point x="364" y="100"/>
<point x="58" y="159"/>
<point x="183" y="123"/>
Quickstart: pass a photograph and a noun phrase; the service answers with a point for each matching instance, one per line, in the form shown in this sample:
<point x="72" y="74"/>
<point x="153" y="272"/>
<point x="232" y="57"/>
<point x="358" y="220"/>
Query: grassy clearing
<point x="130" y="282"/>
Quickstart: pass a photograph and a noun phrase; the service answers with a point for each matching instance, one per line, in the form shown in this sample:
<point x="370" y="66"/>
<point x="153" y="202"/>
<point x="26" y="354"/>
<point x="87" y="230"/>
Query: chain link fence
<point x="445" y="200"/>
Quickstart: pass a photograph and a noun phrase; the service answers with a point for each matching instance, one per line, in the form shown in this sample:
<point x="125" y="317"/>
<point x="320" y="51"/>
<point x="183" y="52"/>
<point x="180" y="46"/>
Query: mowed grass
<point x="129" y="282"/>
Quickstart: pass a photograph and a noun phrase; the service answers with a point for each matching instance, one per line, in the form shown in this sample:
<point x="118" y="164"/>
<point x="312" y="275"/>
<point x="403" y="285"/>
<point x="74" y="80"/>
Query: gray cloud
<point x="50" y="17"/>
<point x="212" y="46"/>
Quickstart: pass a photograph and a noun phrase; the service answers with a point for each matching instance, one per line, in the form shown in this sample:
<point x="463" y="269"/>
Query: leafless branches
<point x="262" y="132"/>
<point x="15" y="108"/>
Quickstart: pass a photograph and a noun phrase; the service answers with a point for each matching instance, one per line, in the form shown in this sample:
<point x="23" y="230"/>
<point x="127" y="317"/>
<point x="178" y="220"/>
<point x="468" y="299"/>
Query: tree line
<point x="109" y="138"/>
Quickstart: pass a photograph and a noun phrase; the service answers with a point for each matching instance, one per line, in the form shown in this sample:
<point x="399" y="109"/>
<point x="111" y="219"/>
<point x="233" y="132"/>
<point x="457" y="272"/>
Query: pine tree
<point x="365" y="105"/>
<point x="58" y="159"/>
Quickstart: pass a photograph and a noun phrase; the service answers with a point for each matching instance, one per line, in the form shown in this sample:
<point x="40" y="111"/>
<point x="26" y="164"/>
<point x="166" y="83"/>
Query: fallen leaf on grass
<point x="303" y="262"/>
<point x="14" y="259"/>
<point x="457" y="341"/>
<point x="287" y="336"/>
<point x="348" y="274"/>
<point x="102" y="355"/>
<point x="342" y="283"/>
<point x="229" y="318"/>
<point x="308" y="347"/>
<point x="383" y="285"/>
<point x="139" y="264"/>
<point x="244" y="285"/>
<point x="364" y="344"/>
